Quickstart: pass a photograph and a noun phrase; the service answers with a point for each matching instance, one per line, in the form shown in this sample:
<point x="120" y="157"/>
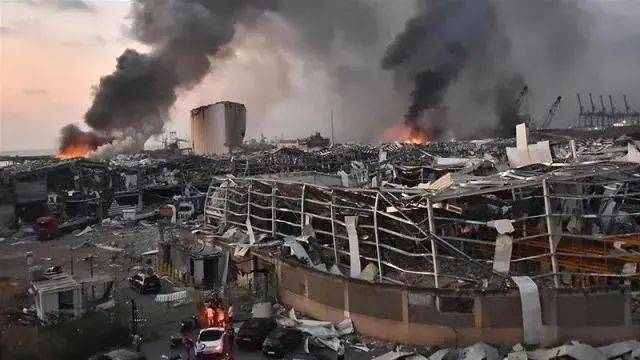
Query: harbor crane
<point x="551" y="113"/>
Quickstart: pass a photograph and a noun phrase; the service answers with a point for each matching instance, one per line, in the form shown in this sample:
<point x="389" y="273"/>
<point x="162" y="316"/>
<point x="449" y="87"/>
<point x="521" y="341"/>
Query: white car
<point x="210" y="341"/>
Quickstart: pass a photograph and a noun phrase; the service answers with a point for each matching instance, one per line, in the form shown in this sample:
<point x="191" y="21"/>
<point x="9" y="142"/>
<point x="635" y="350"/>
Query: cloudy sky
<point x="52" y="52"/>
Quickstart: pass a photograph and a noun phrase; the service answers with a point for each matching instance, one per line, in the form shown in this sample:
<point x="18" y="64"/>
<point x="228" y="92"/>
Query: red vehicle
<point x="47" y="228"/>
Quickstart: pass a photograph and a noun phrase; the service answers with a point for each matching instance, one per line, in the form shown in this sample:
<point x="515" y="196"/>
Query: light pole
<point x="90" y="260"/>
<point x="115" y="268"/>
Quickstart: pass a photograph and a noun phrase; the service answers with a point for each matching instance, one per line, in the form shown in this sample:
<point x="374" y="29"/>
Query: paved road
<point x="155" y="350"/>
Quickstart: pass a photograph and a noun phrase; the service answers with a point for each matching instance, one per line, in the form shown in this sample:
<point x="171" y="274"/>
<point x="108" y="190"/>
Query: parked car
<point x="281" y="341"/>
<point x="119" y="354"/>
<point x="53" y="270"/>
<point x="145" y="283"/>
<point x="253" y="332"/>
<point x="210" y="343"/>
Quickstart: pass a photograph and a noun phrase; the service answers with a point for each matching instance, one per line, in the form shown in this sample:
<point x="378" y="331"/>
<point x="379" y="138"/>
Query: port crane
<point x="551" y="113"/>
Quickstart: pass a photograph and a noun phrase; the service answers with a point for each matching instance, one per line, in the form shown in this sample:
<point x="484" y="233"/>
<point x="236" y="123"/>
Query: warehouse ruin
<point x="529" y="239"/>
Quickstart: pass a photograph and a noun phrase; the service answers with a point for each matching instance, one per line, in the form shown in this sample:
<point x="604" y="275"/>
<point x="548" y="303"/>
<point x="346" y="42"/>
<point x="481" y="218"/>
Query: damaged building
<point x="521" y="240"/>
<point x="534" y="245"/>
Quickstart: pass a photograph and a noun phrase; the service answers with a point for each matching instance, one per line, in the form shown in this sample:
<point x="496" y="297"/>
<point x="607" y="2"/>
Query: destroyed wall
<point x="411" y="315"/>
<point x="456" y="244"/>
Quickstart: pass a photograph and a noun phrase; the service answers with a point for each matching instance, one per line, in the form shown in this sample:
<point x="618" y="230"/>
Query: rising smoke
<point x="71" y="135"/>
<point x="132" y="104"/>
<point x="456" y="67"/>
<point x="445" y="40"/>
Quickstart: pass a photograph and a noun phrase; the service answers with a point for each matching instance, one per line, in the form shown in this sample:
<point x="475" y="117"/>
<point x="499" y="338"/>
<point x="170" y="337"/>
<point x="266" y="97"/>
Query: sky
<point x="53" y="52"/>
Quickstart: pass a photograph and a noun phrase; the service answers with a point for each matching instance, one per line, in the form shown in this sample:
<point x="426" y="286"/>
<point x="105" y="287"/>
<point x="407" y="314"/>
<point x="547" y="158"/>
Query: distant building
<point x="218" y="128"/>
<point x="315" y="141"/>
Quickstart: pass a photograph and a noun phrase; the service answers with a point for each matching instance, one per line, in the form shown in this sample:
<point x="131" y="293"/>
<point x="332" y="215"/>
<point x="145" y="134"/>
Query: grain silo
<point x="218" y="128"/>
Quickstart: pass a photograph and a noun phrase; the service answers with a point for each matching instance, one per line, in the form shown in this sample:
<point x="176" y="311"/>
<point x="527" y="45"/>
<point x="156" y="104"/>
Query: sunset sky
<point x="52" y="52"/>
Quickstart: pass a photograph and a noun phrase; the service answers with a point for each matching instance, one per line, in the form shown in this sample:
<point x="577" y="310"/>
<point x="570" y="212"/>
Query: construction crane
<point x="627" y="109"/>
<point x="603" y="112"/>
<point x="551" y="113"/>
<point x="580" y="107"/>
<point x="526" y="118"/>
<point x="521" y="97"/>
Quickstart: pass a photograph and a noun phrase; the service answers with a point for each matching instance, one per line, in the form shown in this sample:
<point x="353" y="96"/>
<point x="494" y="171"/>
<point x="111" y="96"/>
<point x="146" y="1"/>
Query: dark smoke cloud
<point x="501" y="46"/>
<point x="509" y="44"/>
<point x="72" y="135"/>
<point x="442" y="40"/>
<point x="506" y="105"/>
<point x="133" y="102"/>
<point x="430" y="87"/>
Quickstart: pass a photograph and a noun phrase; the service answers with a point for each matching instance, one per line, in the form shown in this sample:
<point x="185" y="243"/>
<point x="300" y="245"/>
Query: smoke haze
<point x="451" y="68"/>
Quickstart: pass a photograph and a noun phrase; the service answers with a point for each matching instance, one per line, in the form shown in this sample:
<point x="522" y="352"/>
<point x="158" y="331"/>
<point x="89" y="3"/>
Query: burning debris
<point x="75" y="143"/>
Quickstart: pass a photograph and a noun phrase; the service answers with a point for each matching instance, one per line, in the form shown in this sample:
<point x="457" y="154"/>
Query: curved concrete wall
<point x="409" y="315"/>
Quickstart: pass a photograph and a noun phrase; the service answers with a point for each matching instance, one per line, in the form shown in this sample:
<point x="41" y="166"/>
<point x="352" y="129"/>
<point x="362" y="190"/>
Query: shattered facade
<point x="455" y="222"/>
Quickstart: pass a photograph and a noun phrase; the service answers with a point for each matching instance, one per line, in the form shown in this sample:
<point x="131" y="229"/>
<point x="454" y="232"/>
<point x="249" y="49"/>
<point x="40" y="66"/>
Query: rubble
<point x="455" y="215"/>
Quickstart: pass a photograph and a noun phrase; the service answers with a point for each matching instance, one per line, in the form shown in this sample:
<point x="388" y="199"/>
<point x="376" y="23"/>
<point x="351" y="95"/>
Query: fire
<point x="403" y="133"/>
<point x="75" y="151"/>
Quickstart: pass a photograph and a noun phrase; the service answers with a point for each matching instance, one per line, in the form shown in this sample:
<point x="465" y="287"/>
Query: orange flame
<point x="403" y="133"/>
<point x="75" y="151"/>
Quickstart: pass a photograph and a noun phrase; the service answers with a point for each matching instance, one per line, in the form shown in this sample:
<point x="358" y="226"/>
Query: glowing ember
<point x="75" y="151"/>
<point x="403" y="133"/>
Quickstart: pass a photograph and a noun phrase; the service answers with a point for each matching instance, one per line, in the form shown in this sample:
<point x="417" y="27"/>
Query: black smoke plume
<point x="507" y="104"/>
<point x="133" y="102"/>
<point x="429" y="90"/>
<point x="442" y="41"/>
<point x="186" y="37"/>
<point x="507" y="44"/>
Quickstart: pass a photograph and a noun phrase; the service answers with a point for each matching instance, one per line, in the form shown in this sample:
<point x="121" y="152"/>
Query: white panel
<point x="502" y="255"/>
<point x="252" y="237"/>
<point x="354" y="246"/>
<point x="531" y="310"/>
<point x="521" y="137"/>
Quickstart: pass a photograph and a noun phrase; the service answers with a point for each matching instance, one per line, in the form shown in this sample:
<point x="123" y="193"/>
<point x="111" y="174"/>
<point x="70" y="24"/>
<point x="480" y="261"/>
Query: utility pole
<point x="134" y="310"/>
<point x="332" y="139"/>
<point x="116" y="300"/>
<point x="71" y="252"/>
<point x="90" y="260"/>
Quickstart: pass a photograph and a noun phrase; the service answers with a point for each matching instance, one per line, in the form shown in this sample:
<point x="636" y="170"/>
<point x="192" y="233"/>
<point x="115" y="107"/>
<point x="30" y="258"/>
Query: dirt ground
<point x="68" y="252"/>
